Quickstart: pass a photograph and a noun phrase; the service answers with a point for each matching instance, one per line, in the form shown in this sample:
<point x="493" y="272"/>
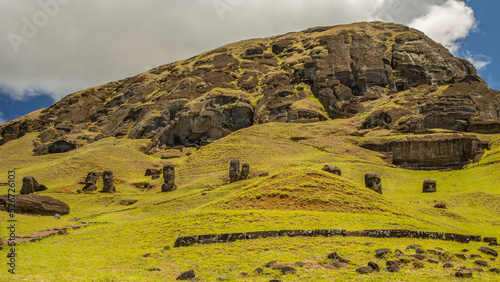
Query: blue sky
<point x="52" y="48"/>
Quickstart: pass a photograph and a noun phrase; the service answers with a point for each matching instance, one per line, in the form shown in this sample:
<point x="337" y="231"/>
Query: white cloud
<point x="2" y="118"/>
<point x="447" y="23"/>
<point x="65" y="45"/>
<point x="478" y="60"/>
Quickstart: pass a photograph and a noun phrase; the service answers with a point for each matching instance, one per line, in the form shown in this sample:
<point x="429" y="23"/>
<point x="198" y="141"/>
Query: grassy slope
<point x="205" y="203"/>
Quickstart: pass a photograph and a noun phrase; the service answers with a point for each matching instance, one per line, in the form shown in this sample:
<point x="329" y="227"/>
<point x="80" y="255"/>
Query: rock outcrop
<point x="430" y="151"/>
<point x="308" y="76"/>
<point x="35" y="204"/>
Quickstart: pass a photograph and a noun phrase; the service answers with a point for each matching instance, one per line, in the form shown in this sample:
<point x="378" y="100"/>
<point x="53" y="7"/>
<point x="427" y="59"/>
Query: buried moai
<point x="107" y="179"/>
<point x="374" y="182"/>
<point x="168" y="178"/>
<point x="429" y="186"/>
<point x="30" y="186"/>
<point x="90" y="181"/>
<point x="332" y="169"/>
<point x="234" y="171"/>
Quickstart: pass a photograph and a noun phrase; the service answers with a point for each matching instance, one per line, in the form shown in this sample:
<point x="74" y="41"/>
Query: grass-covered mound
<point x="307" y="189"/>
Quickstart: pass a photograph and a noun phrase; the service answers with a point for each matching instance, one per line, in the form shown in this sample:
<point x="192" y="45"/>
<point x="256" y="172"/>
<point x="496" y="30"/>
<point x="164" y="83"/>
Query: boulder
<point x="364" y="270"/>
<point x="382" y="252"/>
<point x="185" y="241"/>
<point x="488" y="251"/>
<point x="332" y="169"/>
<point x="187" y="275"/>
<point x="35" y="204"/>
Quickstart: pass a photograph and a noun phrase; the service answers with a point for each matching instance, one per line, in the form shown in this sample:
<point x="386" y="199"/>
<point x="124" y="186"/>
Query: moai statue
<point x="374" y="182"/>
<point x="429" y="186"/>
<point x="332" y="169"/>
<point x="90" y="181"/>
<point x="168" y="178"/>
<point x="30" y="185"/>
<point x="107" y="179"/>
<point x="245" y="170"/>
<point x="234" y="171"/>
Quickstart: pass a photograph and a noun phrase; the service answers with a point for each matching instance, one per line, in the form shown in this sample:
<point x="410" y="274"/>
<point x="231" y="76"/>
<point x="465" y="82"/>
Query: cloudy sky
<point x="52" y="48"/>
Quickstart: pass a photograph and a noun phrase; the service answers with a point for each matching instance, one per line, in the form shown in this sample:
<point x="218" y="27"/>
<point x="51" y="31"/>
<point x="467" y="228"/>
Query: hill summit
<point x="388" y="75"/>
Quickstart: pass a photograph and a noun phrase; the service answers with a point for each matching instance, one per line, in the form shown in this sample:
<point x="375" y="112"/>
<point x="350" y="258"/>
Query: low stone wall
<point x="185" y="241"/>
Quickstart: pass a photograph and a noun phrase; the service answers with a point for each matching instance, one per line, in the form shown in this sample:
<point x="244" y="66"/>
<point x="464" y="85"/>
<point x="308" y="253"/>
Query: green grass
<point x="206" y="203"/>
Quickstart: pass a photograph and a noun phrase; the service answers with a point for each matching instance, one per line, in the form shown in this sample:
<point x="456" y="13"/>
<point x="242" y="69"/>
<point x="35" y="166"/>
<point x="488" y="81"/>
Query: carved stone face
<point x="28" y="185"/>
<point x="332" y="169"/>
<point x="374" y="182"/>
<point x="168" y="172"/>
<point x="234" y="170"/>
<point x="245" y="170"/>
<point x="107" y="178"/>
<point x="91" y="178"/>
<point x="429" y="186"/>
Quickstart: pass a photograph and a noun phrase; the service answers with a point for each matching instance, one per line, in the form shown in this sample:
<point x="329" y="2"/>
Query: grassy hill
<point x="128" y="242"/>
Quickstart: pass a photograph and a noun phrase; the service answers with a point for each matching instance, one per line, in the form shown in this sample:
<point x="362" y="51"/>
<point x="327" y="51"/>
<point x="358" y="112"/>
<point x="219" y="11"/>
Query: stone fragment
<point x="185" y="241"/>
<point x="481" y="263"/>
<point x="418" y="265"/>
<point x="374" y="182"/>
<point x="382" y="252"/>
<point x="374" y="266"/>
<point x="495" y="270"/>
<point x="332" y="169"/>
<point x="187" y="275"/>
<point x="488" y="251"/>
<point x="440" y="206"/>
<point x="364" y="270"/>
<point x="461" y="274"/>
<point x="429" y="186"/>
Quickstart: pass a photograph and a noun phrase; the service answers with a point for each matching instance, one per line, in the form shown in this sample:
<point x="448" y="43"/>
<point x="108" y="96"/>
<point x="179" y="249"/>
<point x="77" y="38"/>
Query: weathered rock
<point x="481" y="263"/>
<point x="207" y="239"/>
<point x="440" y="206"/>
<point x="418" y="265"/>
<point x="262" y="234"/>
<point x="429" y="186"/>
<point x="245" y="171"/>
<point x="329" y="232"/>
<point x="30" y="185"/>
<point x="374" y="266"/>
<point x="374" y="182"/>
<point x="151" y="172"/>
<point x="234" y="171"/>
<point x="127" y="202"/>
<point x="489" y="239"/>
<point x="168" y="178"/>
<point x="284" y="269"/>
<point x="107" y="178"/>
<point x="187" y="275"/>
<point x="364" y="270"/>
<point x="382" y="252"/>
<point x="90" y="181"/>
<point x="231" y="237"/>
<point x="185" y="241"/>
<point x="495" y="270"/>
<point x="461" y="256"/>
<point x="448" y="265"/>
<point x="461" y="274"/>
<point x="35" y="204"/>
<point x="295" y="233"/>
<point x="415" y="246"/>
<point x="488" y="251"/>
<point x="332" y="169"/>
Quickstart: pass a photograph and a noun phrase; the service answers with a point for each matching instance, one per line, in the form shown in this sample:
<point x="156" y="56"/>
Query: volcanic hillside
<point x="362" y="99"/>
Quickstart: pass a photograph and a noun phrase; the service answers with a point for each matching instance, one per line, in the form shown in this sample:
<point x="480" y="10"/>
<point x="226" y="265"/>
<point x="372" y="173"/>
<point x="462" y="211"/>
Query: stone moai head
<point x="168" y="172"/>
<point x="107" y="179"/>
<point x="168" y="178"/>
<point x="234" y="171"/>
<point x="28" y="185"/>
<point x="374" y="182"/>
<point x="429" y="186"/>
<point x="245" y="170"/>
<point x="332" y="169"/>
<point x="91" y="178"/>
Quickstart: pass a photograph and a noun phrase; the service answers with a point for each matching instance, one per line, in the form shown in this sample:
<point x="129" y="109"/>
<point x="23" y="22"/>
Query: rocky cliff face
<point x="395" y="76"/>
